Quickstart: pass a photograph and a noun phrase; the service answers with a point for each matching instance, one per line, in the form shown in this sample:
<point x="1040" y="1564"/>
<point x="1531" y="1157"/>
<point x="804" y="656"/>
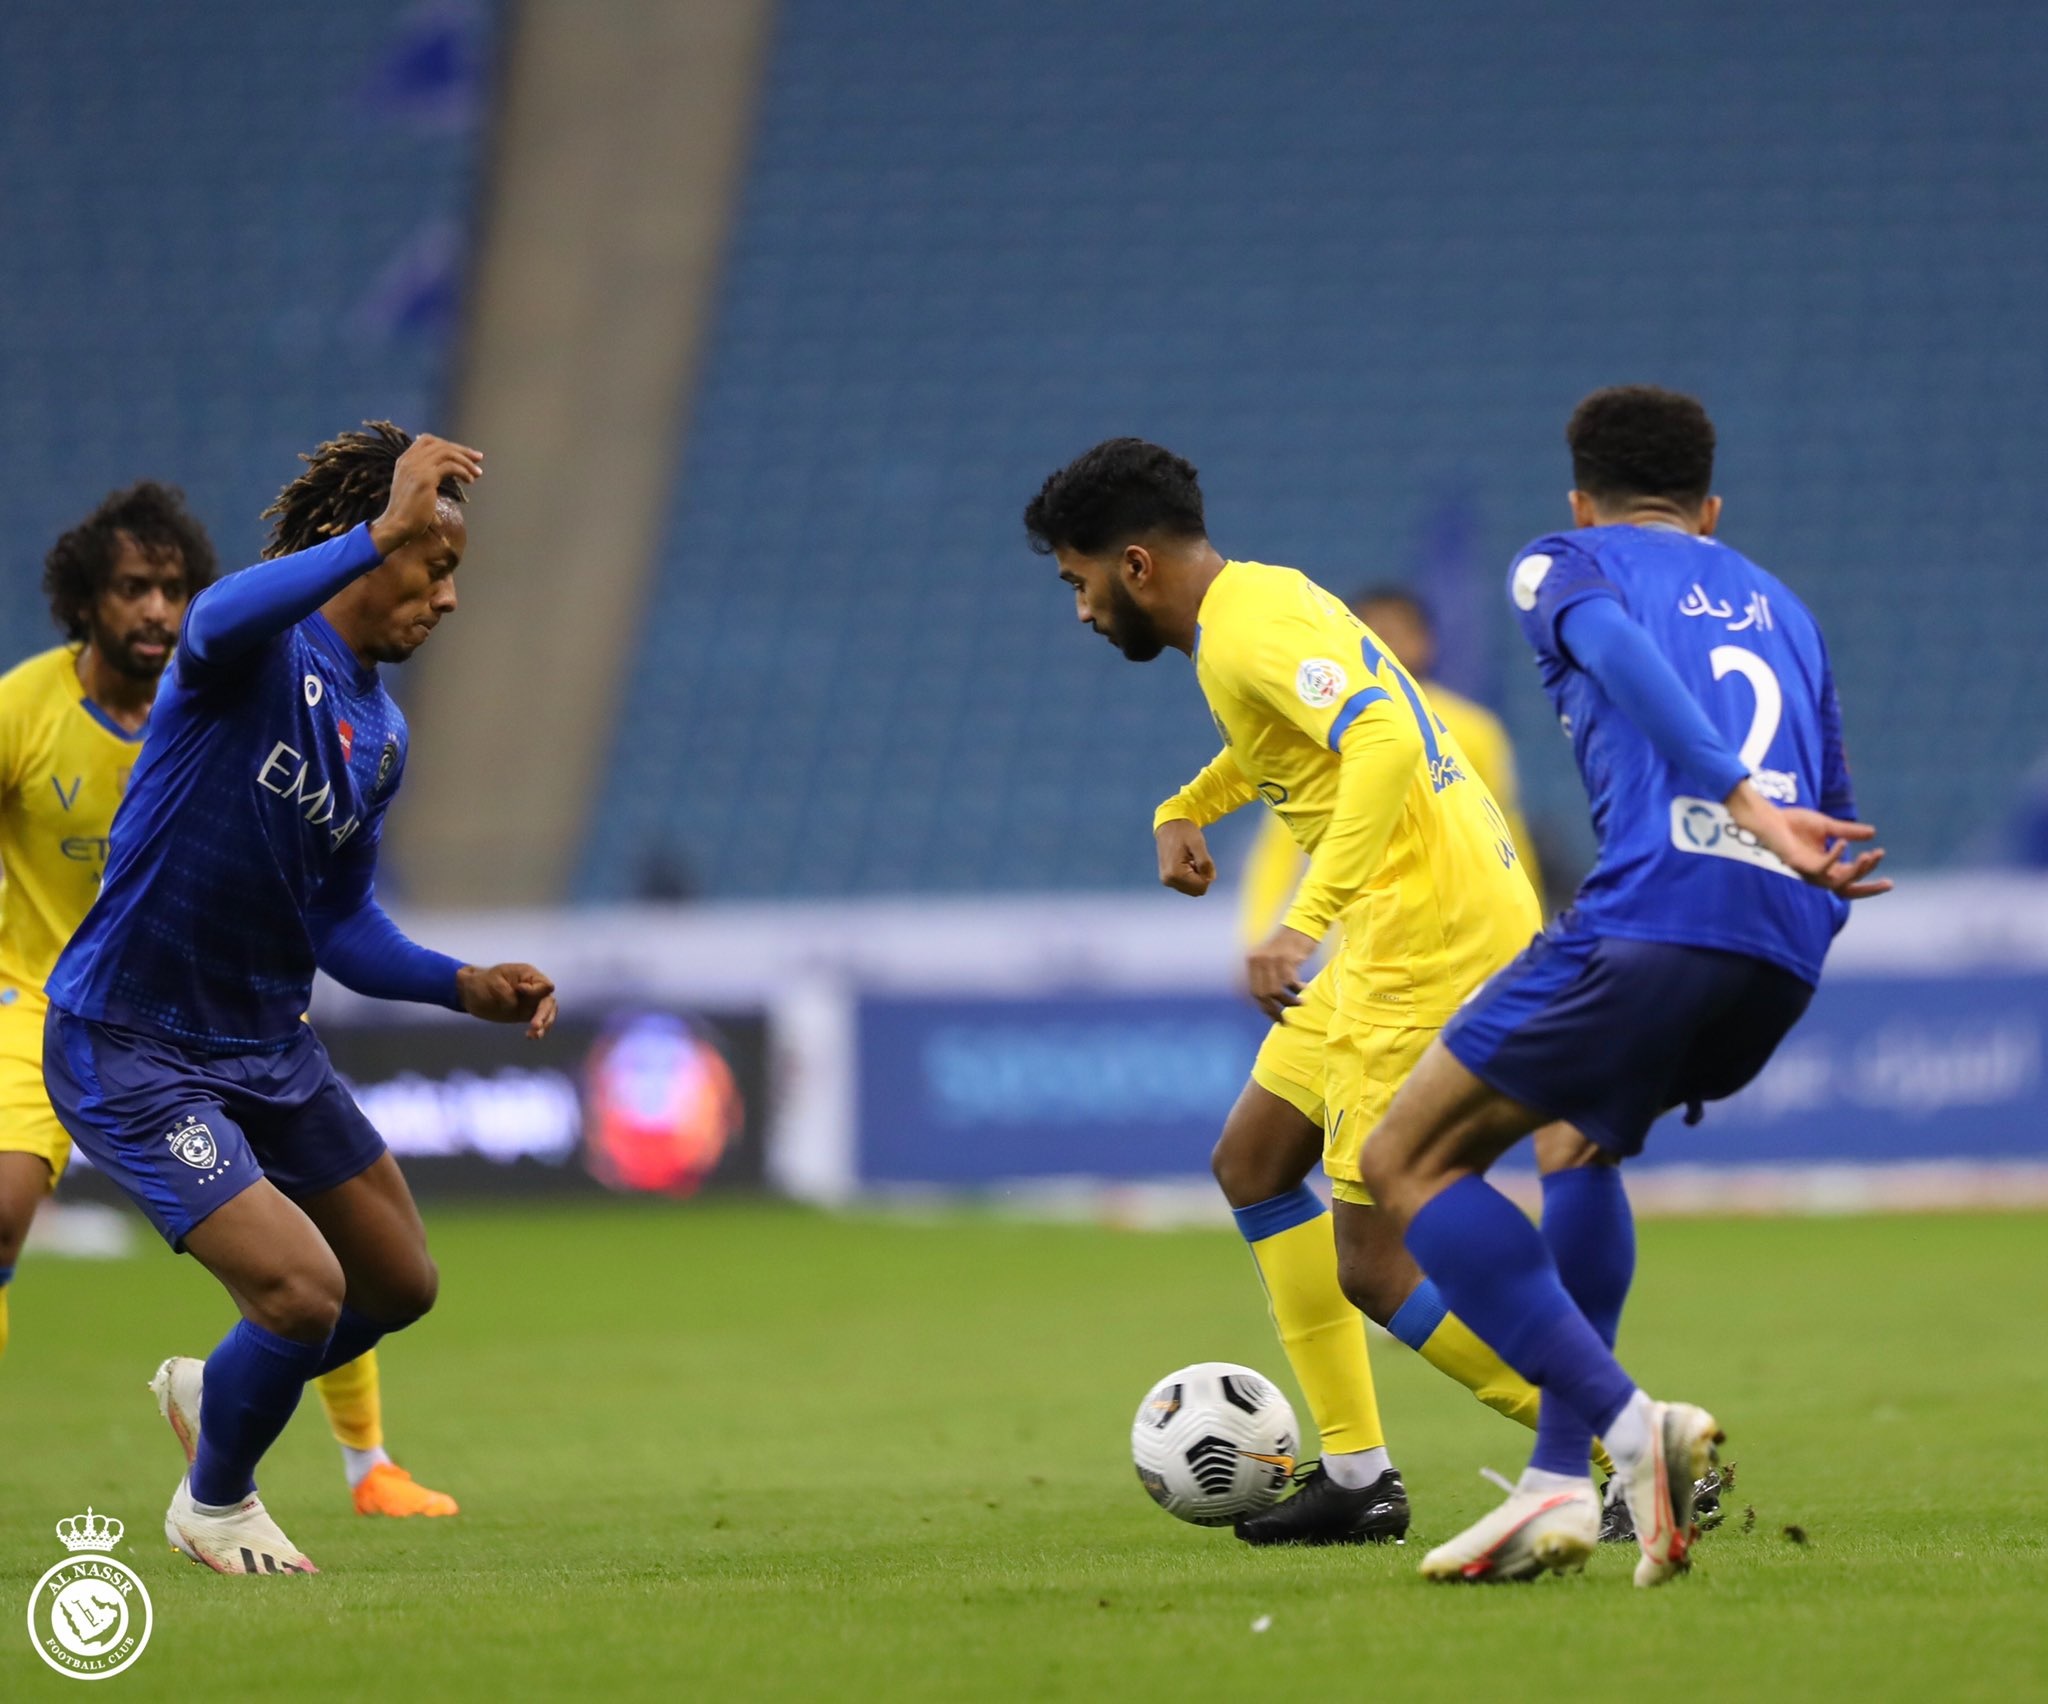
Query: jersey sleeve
<point x="354" y="939"/>
<point x="1548" y="578"/>
<point x="1837" y="792"/>
<point x="240" y="614"/>
<point x="1379" y="754"/>
<point x="1319" y="676"/>
<point x="1212" y="795"/>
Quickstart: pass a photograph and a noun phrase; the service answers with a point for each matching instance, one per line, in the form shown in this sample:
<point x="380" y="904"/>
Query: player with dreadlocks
<point x="71" y="722"/>
<point x="244" y="856"/>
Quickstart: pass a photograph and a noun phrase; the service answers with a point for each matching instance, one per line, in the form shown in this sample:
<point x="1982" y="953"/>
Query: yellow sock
<point x="354" y="1406"/>
<point x="1451" y="1347"/>
<point x="1323" y="1334"/>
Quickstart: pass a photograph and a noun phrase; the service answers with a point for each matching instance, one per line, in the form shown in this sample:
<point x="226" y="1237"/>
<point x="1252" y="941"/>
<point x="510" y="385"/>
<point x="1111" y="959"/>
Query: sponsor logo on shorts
<point x="193" y="1143"/>
<point x="1703" y="827"/>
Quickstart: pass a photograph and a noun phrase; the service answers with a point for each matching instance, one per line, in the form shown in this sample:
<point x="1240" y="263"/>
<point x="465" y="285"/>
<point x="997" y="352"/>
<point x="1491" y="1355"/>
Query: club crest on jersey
<point x="1320" y="682"/>
<point x="193" y="1143"/>
<point x="387" y="765"/>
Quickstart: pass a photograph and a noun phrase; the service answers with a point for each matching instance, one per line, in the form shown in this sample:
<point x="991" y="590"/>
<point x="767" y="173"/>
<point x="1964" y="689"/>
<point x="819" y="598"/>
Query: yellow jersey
<point x="1275" y="862"/>
<point x="63" y="769"/>
<point x="1406" y="846"/>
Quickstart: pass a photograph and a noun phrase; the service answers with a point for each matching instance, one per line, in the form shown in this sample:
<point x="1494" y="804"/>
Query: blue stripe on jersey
<point x="1357" y="702"/>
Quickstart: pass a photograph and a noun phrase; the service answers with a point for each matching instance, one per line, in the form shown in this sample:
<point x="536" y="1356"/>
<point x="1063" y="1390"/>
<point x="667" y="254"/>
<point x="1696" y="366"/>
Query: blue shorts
<point x="1609" y="1034"/>
<point x="183" y="1132"/>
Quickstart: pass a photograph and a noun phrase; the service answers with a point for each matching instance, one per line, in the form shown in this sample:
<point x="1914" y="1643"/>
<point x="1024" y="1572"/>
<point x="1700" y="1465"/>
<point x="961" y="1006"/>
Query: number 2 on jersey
<point x="1763" y="722"/>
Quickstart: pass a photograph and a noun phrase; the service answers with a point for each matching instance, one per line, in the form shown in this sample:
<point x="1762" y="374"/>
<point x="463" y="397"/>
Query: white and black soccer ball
<point x="1215" y="1442"/>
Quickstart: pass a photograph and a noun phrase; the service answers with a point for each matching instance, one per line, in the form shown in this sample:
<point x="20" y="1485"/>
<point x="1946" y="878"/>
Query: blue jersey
<point x="260" y="792"/>
<point x="1673" y="867"/>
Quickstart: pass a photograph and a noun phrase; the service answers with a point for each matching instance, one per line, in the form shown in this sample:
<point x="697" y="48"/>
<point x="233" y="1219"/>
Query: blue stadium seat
<point x="1355" y="262"/>
<point x="226" y="233"/>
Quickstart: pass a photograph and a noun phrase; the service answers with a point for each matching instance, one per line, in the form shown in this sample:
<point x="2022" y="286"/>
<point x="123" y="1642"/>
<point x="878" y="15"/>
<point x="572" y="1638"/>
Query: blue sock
<point x="354" y="1334"/>
<point x="253" y="1382"/>
<point x="1493" y="1269"/>
<point x="1415" y="1320"/>
<point x="1592" y="1237"/>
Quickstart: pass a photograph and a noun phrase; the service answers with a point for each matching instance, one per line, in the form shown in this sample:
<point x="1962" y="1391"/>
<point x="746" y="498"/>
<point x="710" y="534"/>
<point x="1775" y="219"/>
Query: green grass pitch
<point x="732" y="1452"/>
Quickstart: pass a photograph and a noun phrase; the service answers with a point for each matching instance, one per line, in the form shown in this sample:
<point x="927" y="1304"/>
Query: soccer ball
<point x="1214" y="1442"/>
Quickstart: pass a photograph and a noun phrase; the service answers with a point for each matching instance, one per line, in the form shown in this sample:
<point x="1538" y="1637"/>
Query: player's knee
<point x="415" y="1296"/>
<point x="303" y="1303"/>
<point x="1393" y="1177"/>
<point x="1369" y="1284"/>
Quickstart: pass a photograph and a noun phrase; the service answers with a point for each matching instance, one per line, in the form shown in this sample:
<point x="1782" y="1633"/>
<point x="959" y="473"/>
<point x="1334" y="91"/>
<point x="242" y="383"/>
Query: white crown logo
<point x="90" y="1532"/>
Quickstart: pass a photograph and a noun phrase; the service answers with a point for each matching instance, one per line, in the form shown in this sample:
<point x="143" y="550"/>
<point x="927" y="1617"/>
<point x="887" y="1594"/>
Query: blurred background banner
<point x="971" y="1093"/>
<point x="1057" y="1054"/>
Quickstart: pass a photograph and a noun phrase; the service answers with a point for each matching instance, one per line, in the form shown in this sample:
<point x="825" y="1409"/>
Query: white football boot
<point x="1661" y="1486"/>
<point x="241" y="1540"/>
<point x="1532" y="1533"/>
<point x="177" y="1388"/>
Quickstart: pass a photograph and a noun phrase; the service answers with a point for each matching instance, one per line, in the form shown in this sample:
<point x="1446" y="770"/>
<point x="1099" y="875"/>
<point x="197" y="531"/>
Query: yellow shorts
<point x="1290" y="1061"/>
<point x="1363" y="1065"/>
<point x="27" y="1125"/>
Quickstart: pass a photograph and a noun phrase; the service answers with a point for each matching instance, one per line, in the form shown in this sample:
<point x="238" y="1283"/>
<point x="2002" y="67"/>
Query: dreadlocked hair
<point x="82" y="562"/>
<point x="347" y="482"/>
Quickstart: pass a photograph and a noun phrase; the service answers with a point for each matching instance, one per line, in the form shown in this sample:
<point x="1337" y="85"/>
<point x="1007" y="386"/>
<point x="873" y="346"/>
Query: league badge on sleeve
<point x="1320" y="682"/>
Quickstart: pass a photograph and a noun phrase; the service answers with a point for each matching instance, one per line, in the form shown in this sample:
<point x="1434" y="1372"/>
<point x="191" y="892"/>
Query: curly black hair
<point x="347" y="482"/>
<point x="1640" y="441"/>
<point x="1122" y="489"/>
<point x="80" y="563"/>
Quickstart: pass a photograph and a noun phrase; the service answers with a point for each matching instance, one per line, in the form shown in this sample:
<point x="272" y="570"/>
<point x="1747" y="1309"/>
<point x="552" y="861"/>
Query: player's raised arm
<point x="234" y="616"/>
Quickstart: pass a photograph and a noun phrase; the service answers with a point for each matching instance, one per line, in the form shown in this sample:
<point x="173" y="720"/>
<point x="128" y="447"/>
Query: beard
<point x="118" y="651"/>
<point x="1136" y="634"/>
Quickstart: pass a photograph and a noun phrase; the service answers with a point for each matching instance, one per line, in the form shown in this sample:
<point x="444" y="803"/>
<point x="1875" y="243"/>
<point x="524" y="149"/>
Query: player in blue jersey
<point x="242" y="857"/>
<point x="1701" y="709"/>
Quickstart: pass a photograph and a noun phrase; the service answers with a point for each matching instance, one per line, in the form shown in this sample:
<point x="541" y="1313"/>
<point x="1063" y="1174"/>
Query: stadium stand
<point x="1358" y="297"/>
<point x="237" y="234"/>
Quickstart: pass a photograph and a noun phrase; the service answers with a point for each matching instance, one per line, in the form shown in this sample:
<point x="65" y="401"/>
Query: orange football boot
<point x="387" y="1489"/>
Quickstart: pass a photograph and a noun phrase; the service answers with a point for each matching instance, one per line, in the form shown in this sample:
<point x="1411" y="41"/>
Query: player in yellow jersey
<point x="1398" y="619"/>
<point x="1407" y="851"/>
<point x="71" y="722"/>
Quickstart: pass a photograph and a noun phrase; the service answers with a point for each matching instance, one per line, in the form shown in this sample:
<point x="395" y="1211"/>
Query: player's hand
<point x="1184" y="861"/>
<point x="1274" y="967"/>
<point x="508" y="994"/>
<point x="416" y="486"/>
<point x="1814" y="845"/>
